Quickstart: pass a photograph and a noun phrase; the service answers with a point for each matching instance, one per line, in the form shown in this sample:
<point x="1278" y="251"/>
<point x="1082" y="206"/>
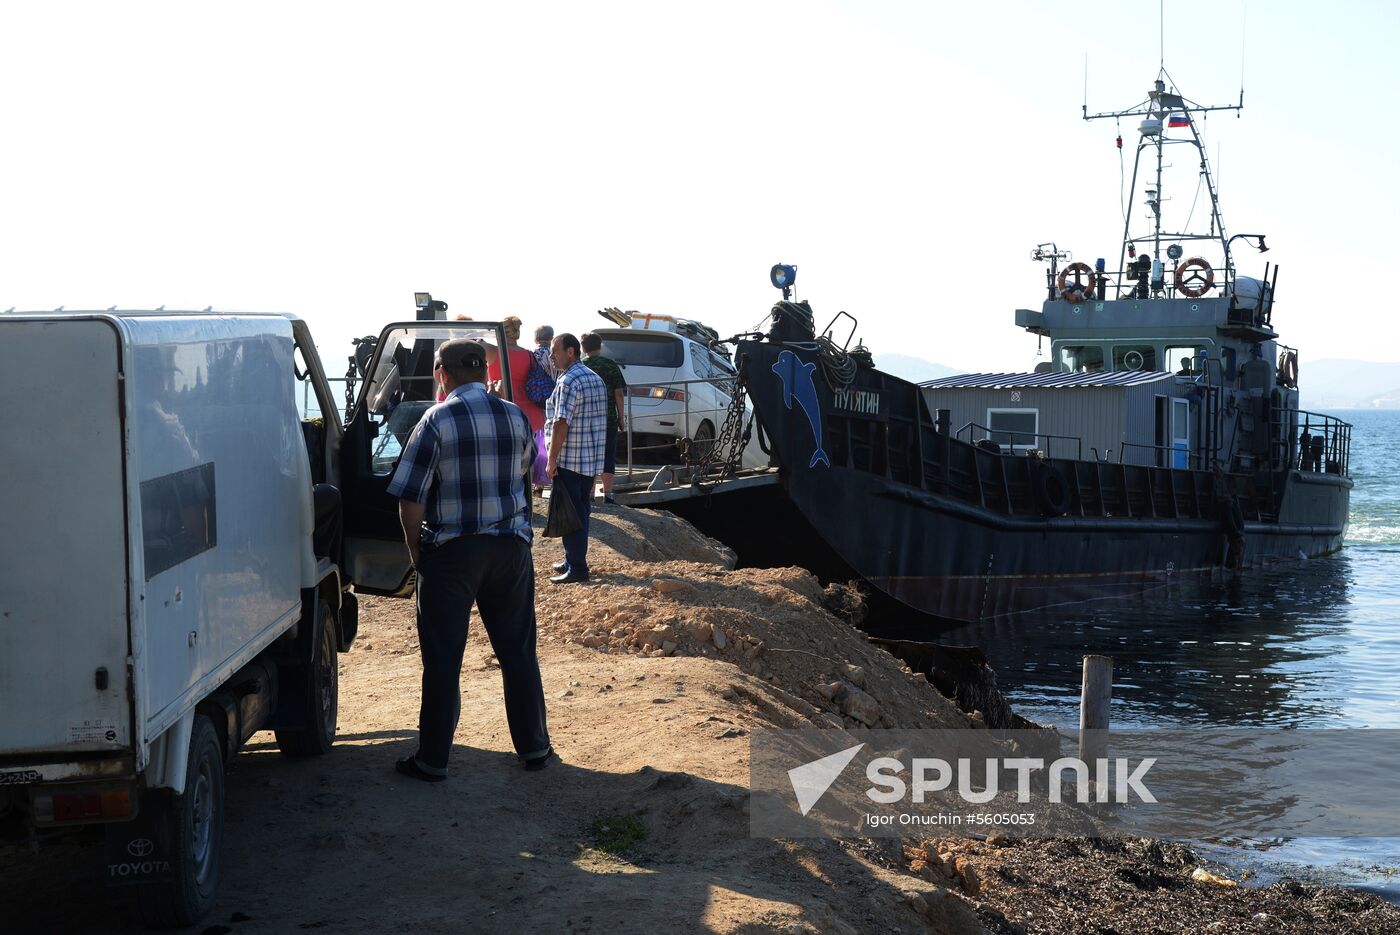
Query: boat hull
<point x="942" y="555"/>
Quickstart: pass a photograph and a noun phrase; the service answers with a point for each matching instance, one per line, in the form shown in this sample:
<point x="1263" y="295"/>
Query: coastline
<point x="655" y="675"/>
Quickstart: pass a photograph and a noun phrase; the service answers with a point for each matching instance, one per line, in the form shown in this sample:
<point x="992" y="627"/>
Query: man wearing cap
<point x="465" y="511"/>
<point x="576" y="424"/>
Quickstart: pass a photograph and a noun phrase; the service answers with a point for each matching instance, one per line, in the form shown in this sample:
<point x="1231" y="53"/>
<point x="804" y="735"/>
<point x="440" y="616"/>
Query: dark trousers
<point x="498" y="574"/>
<point x="579" y="490"/>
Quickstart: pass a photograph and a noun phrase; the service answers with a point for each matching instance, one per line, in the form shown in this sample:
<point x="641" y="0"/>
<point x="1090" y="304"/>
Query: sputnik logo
<point x="811" y="780"/>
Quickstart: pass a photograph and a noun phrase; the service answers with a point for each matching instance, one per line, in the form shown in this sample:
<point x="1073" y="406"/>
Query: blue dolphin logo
<point x="797" y="384"/>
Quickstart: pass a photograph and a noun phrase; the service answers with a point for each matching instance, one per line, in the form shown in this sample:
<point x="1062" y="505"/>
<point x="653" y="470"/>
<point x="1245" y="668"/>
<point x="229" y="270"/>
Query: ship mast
<point x="1163" y="109"/>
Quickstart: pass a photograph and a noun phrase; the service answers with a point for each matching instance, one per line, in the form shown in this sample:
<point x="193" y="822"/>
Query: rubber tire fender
<point x="1051" y="491"/>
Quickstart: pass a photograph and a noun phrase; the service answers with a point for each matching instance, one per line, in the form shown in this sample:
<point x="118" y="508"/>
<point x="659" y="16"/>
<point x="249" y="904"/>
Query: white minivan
<point x="677" y="388"/>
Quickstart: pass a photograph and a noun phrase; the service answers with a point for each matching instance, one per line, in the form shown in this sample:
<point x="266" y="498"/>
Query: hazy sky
<point x="548" y="159"/>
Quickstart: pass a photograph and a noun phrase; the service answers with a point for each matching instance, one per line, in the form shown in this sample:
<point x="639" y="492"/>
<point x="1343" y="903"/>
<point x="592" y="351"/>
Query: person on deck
<point x="617" y="388"/>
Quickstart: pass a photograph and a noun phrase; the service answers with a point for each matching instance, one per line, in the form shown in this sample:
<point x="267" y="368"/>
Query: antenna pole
<point x="1162" y="33"/>
<point x="1244" y="33"/>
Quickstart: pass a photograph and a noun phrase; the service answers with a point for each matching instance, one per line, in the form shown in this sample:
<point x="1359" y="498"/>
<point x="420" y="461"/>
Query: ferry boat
<point x="1162" y="438"/>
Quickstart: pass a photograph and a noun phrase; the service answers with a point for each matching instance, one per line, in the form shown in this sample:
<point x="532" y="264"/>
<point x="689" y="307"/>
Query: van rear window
<point x="177" y="517"/>
<point x="644" y="350"/>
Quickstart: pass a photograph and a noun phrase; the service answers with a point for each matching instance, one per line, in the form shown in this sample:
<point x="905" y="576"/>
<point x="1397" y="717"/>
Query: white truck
<point x="177" y="554"/>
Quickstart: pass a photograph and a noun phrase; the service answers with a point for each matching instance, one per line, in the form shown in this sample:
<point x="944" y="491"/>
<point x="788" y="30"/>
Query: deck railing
<point x="1022" y="440"/>
<point x="1318" y="442"/>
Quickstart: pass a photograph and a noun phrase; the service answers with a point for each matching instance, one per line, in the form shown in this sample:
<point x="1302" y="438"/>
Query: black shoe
<point x="560" y="566"/>
<point x="568" y="577"/>
<point x="408" y="766"/>
<point x="608" y="498"/>
<point x="540" y="762"/>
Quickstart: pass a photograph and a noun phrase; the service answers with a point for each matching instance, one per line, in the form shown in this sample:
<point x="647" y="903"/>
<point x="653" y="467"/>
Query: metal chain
<point x="727" y="447"/>
<point x="350" y="375"/>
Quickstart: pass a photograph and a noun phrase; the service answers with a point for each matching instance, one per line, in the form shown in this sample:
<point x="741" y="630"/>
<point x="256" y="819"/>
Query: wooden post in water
<point x="1095" y="694"/>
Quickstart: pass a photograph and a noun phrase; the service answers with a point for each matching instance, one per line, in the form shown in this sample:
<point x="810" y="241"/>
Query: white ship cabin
<point x="1167" y="382"/>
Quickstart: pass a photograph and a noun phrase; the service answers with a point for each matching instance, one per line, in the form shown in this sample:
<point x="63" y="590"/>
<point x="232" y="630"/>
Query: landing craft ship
<point x="1163" y="438"/>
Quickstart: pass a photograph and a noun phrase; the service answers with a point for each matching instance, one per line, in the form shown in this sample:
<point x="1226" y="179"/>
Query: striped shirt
<point x="545" y="361"/>
<point x="466" y="462"/>
<point x="580" y="398"/>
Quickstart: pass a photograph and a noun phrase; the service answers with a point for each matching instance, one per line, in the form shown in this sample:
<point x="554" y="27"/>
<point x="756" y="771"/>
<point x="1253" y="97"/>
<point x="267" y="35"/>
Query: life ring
<point x="1206" y="281"/>
<point x="1051" y="491"/>
<point x="1288" y="369"/>
<point x="1133" y="360"/>
<point x="1077" y="292"/>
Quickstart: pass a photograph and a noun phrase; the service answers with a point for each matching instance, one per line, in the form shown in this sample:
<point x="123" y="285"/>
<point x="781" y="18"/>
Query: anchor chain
<point x="727" y="447"/>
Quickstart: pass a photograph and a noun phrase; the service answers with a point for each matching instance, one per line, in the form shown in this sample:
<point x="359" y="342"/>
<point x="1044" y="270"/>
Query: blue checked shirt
<point x="580" y="398"/>
<point x="466" y="461"/>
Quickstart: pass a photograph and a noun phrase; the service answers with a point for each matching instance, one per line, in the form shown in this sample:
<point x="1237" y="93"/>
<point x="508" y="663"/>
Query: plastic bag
<point x="563" y="518"/>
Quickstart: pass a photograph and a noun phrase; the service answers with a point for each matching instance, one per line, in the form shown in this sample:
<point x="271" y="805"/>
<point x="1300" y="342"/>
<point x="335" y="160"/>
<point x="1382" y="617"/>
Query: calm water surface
<point x="1314" y="644"/>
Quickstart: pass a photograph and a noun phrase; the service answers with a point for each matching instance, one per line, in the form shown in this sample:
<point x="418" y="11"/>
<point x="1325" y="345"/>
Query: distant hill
<point x="1349" y="384"/>
<point x="913" y="369"/>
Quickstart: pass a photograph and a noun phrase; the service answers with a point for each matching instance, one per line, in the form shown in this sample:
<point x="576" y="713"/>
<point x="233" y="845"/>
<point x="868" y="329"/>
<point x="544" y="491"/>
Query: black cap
<point x="459" y="353"/>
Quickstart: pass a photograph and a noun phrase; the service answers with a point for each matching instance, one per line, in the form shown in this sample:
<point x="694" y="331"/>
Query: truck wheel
<point x="320" y="688"/>
<point x="194" y="825"/>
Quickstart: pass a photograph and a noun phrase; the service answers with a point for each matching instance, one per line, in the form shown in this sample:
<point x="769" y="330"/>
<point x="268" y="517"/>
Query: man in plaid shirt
<point x="576" y="424"/>
<point x="465" y="513"/>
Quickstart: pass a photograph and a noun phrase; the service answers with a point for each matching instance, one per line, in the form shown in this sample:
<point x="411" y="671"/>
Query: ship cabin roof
<point x="1016" y="381"/>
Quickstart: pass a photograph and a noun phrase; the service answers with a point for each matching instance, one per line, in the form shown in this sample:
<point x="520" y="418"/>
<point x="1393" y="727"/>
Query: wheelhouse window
<point x="1013" y="428"/>
<point x="1081" y="358"/>
<point x="1184" y="359"/>
<point x="1134" y="357"/>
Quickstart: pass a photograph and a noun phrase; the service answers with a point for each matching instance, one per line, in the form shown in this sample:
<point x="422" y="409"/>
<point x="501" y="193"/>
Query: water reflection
<point x="1263" y="649"/>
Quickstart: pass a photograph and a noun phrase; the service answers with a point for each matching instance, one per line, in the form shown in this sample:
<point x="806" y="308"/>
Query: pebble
<point x="855" y="675"/>
<point x="830" y="690"/>
<point x="1202" y="875"/>
<point x="670" y="586"/>
<point x="565" y="693"/>
<point x="862" y="707"/>
<point x="668" y="647"/>
<point x="971" y="882"/>
<point x="719" y="639"/>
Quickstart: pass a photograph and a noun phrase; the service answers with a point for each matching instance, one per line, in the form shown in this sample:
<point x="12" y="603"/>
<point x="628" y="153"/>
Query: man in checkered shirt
<point x="576" y="424"/>
<point x="465" y="511"/>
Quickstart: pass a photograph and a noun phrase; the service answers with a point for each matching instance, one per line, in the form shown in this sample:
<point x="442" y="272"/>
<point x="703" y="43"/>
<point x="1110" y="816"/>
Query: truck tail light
<point x="88" y="805"/>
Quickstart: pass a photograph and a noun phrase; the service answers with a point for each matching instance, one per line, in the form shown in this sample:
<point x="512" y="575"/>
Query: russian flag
<point x="1178" y="120"/>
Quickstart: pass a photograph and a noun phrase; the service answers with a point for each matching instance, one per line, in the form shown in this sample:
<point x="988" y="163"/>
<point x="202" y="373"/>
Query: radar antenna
<point x="1166" y="109"/>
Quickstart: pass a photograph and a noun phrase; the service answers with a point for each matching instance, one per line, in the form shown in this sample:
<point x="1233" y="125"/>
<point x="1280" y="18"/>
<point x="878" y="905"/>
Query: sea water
<point x="1312" y="644"/>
